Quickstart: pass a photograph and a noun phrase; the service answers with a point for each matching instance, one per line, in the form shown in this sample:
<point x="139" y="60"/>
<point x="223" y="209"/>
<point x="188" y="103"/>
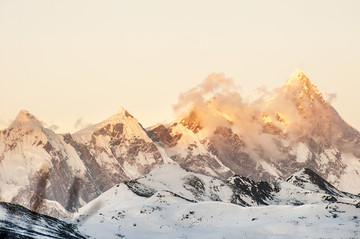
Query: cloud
<point x="264" y="91"/>
<point x="218" y="102"/>
<point x="51" y="126"/>
<point x="330" y="97"/>
<point x="80" y="124"/>
<point x="215" y="85"/>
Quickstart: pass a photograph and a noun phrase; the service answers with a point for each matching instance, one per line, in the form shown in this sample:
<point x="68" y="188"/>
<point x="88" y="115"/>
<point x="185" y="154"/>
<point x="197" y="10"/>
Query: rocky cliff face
<point x="117" y="149"/>
<point x="37" y="164"/>
<point x="19" y="222"/>
<point x="56" y="174"/>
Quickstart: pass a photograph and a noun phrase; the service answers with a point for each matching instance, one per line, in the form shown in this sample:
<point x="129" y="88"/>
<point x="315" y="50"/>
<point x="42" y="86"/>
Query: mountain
<point x="272" y="138"/>
<point x="295" y="128"/>
<point x="55" y="174"/>
<point x="37" y="166"/>
<point x="186" y="148"/>
<point x="170" y="202"/>
<point x="121" y="148"/>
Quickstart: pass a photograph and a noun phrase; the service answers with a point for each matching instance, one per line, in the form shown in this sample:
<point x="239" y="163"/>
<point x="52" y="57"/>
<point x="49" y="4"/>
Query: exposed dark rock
<point x="228" y="147"/>
<point x="329" y="198"/>
<point x="192" y="122"/>
<point x="73" y="198"/>
<point x="163" y="135"/>
<point x="309" y="176"/>
<point x="177" y="195"/>
<point x="195" y="185"/>
<point x="140" y="189"/>
<point x="23" y="223"/>
<point x="198" y="163"/>
<point x="259" y="192"/>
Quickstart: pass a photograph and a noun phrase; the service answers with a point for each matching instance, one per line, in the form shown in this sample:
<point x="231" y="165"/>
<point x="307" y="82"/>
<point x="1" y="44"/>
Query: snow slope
<point x="168" y="209"/>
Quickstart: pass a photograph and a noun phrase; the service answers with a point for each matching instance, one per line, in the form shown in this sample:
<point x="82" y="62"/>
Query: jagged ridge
<point x="38" y="164"/>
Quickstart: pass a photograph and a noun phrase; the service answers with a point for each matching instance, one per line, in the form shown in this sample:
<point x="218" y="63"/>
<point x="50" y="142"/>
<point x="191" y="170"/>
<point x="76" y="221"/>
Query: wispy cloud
<point x="217" y="102"/>
<point x="80" y="124"/>
<point x="330" y="97"/>
<point x="51" y="126"/>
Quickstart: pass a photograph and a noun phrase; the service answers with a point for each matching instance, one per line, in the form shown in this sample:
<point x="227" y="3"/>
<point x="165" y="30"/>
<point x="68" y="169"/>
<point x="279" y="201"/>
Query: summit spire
<point x="24" y="118"/>
<point x="296" y="77"/>
<point x="124" y="112"/>
<point x="298" y="84"/>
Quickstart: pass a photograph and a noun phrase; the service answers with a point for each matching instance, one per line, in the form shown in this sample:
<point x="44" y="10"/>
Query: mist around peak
<point x="297" y="110"/>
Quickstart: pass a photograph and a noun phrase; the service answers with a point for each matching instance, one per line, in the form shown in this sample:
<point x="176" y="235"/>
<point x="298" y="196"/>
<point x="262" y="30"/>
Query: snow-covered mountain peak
<point x="295" y="77"/>
<point x="25" y="119"/>
<point x="299" y="86"/>
<point x="122" y="123"/>
<point x="122" y="116"/>
<point x="300" y="108"/>
<point x="123" y="112"/>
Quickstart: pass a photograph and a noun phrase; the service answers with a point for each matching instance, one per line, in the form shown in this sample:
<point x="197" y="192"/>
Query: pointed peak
<point x="121" y="117"/>
<point x="122" y="124"/>
<point x="25" y="118"/>
<point x="122" y="111"/>
<point x="299" y="84"/>
<point x="297" y="77"/>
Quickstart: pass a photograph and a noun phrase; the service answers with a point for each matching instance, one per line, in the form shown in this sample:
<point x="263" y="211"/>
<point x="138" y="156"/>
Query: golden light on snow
<point x="294" y="78"/>
<point x="266" y="119"/>
<point x="226" y="116"/>
<point x="282" y="119"/>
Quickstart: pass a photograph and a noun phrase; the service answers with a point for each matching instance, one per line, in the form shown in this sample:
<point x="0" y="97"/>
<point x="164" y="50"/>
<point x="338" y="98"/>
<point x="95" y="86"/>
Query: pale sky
<point x="79" y="61"/>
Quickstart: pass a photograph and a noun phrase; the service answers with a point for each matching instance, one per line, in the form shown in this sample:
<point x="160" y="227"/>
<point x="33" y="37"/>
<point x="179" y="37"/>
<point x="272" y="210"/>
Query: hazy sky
<point x="75" y="62"/>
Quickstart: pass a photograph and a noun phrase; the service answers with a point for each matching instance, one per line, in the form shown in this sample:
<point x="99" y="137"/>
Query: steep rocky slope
<point x="19" y="222"/>
<point x="55" y="174"/>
